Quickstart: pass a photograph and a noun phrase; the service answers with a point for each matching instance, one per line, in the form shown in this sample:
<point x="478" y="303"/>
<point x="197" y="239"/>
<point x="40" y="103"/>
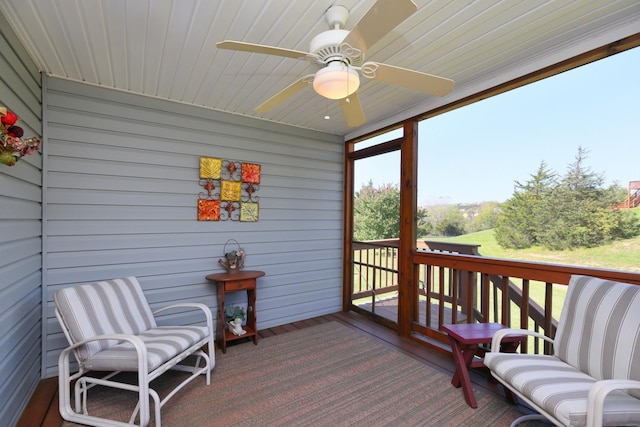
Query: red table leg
<point x="462" y="359"/>
<point x="465" y="340"/>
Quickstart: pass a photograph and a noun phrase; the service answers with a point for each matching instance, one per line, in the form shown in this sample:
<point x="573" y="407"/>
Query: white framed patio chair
<point x="110" y="328"/>
<point x="593" y="376"/>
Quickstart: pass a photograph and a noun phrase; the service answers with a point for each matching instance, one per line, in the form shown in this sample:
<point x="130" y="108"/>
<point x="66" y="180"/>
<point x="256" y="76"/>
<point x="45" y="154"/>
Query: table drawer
<point x="238" y="285"/>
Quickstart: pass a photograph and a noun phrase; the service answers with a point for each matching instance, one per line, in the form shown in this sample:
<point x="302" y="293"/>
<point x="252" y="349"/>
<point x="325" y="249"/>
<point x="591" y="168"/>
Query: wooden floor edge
<point x="42" y="409"/>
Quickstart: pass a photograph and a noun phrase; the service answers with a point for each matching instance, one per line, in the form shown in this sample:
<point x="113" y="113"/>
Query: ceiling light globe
<point x="336" y="81"/>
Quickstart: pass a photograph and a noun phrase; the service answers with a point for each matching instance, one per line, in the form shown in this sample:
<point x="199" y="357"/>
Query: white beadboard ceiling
<point x="166" y="48"/>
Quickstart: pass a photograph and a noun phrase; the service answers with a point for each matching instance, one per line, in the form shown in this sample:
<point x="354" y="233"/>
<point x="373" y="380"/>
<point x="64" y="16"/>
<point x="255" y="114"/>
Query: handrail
<point x="544" y="272"/>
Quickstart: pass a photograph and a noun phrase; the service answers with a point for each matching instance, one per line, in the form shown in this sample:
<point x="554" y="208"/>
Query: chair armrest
<point x="497" y="337"/>
<point x="133" y="339"/>
<point x="597" y="394"/>
<point x="136" y="342"/>
<point x="209" y="318"/>
<point x="206" y="310"/>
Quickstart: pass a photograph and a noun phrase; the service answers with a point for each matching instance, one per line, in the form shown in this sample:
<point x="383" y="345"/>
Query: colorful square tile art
<point x="230" y="190"/>
<point x="208" y="210"/>
<point x="249" y="212"/>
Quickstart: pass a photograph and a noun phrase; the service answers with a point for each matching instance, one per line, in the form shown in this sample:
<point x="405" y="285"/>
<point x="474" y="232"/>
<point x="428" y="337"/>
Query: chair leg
<point x="157" y="406"/>
<point x="532" y="417"/>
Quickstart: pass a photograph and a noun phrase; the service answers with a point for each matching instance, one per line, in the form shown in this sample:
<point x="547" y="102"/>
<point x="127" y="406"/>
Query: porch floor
<point x="42" y="410"/>
<point x="387" y="307"/>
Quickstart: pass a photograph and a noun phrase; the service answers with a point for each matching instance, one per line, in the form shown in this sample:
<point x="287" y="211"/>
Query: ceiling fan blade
<point x="352" y="110"/>
<point x="416" y="80"/>
<point x="259" y="48"/>
<point x="383" y="17"/>
<point x="284" y="94"/>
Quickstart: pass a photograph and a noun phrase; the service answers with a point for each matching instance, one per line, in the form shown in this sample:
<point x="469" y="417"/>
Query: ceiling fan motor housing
<point x="327" y="46"/>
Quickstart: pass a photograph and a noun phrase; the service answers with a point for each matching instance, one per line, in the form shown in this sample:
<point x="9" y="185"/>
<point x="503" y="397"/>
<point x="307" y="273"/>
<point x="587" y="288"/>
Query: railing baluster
<point x="495" y="305"/>
<point x="506" y="307"/>
<point x="454" y="287"/>
<point x="428" y="288"/>
<point x="384" y="278"/>
<point x="548" y="316"/>
<point x="484" y="300"/>
<point x="524" y="311"/>
<point x="441" y="297"/>
<point x="373" y="285"/>
<point x="468" y="299"/>
<point x="524" y="307"/>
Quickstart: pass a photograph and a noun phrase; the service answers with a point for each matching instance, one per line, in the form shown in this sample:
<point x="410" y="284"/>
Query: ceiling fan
<point x="340" y="53"/>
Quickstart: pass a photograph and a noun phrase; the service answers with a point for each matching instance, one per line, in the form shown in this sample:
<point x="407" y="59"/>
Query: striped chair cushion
<point x="599" y="328"/>
<point x="109" y="307"/>
<point x="560" y="389"/>
<point x="163" y="343"/>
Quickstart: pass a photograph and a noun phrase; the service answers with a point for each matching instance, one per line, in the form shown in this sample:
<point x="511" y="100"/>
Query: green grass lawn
<point x="621" y="255"/>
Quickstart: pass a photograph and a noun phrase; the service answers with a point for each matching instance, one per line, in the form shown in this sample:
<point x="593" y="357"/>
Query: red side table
<point x="231" y="282"/>
<point x="465" y="339"/>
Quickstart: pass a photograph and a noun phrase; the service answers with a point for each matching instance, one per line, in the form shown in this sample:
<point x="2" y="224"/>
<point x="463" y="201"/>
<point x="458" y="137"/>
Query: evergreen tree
<point x="578" y="212"/>
<point x="522" y="216"/>
<point x="575" y="212"/>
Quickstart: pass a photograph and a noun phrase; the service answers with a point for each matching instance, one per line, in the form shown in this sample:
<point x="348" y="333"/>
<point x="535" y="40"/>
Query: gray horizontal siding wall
<point x="121" y="193"/>
<point x="20" y="236"/>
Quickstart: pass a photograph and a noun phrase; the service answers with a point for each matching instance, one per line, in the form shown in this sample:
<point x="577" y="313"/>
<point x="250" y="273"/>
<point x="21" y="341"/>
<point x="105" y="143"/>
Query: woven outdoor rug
<point x="324" y="375"/>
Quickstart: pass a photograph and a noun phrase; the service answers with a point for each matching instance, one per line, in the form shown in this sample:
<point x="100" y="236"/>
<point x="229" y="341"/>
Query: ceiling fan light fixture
<point x="336" y="81"/>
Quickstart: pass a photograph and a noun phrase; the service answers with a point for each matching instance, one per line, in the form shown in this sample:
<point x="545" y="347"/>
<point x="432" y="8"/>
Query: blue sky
<point x="476" y="153"/>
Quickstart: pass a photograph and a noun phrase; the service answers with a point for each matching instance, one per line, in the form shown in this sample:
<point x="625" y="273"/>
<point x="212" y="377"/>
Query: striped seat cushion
<point x="163" y="343"/>
<point x="559" y="388"/>
<point x="109" y="307"/>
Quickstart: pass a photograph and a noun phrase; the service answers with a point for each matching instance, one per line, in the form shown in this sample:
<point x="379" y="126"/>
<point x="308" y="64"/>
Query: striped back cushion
<point x="109" y="307"/>
<point x="599" y="328"/>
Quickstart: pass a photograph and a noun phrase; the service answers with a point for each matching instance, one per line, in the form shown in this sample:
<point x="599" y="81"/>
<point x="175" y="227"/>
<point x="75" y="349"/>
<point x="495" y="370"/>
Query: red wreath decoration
<point x="12" y="146"/>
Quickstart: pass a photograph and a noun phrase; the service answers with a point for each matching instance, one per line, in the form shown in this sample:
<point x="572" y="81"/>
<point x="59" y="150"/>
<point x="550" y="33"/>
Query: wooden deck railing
<point x="454" y="283"/>
<point x="376" y="268"/>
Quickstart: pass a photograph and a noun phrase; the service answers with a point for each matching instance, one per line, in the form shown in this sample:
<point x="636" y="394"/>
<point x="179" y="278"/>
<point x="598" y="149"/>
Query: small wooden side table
<point x="233" y="282"/>
<point x="465" y="339"/>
